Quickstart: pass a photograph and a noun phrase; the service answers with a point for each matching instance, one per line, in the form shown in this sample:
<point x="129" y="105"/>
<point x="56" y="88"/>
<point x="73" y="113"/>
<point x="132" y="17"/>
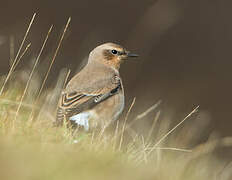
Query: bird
<point x="95" y="96"/>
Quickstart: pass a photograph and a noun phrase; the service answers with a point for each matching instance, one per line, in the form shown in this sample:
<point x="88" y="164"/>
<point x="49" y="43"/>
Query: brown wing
<point x="73" y="103"/>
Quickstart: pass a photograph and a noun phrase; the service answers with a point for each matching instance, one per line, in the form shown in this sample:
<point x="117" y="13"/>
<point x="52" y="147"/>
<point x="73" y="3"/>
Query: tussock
<point x="30" y="148"/>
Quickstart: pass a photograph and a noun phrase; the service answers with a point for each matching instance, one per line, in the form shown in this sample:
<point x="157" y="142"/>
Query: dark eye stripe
<point x="108" y="55"/>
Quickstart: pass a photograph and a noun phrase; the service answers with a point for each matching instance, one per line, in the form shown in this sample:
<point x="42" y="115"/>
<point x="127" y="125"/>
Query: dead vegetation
<point x="32" y="149"/>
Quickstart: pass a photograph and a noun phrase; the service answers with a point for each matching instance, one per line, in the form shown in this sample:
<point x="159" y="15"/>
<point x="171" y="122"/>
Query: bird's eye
<point x="114" y="51"/>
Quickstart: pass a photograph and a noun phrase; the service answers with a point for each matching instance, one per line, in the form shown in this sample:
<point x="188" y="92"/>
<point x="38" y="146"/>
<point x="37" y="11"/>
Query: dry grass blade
<point x="32" y="71"/>
<point x="169" y="132"/>
<point x="21" y="56"/>
<point x="153" y="125"/>
<point x="145" y="158"/>
<point x="102" y="132"/>
<point x="173" y="149"/>
<point x="124" y="124"/>
<point x="152" y="108"/>
<point x="16" y="57"/>
<point x="142" y="115"/>
<point x="54" y="57"/>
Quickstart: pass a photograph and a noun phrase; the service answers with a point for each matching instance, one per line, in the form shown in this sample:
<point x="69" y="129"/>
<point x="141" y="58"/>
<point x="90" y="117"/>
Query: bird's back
<point x="92" y="79"/>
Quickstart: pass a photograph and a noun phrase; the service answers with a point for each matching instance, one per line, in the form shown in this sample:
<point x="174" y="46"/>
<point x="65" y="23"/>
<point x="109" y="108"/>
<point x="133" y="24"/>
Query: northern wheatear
<point x="95" y="95"/>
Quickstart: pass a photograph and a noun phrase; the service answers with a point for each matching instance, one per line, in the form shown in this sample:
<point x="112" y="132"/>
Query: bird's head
<point x="110" y="54"/>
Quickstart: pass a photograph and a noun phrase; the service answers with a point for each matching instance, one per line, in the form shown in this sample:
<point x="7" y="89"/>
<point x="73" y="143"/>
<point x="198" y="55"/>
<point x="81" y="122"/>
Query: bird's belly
<point x="110" y="109"/>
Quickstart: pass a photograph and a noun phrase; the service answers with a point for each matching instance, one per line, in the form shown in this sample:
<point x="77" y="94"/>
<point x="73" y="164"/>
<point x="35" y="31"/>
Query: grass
<point x="31" y="148"/>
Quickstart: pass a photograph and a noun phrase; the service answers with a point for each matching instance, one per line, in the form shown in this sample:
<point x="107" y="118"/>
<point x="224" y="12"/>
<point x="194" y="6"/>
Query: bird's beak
<point x="129" y="54"/>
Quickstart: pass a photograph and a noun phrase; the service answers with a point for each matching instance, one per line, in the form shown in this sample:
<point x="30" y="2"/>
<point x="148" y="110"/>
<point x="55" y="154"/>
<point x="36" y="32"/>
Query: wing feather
<point x="80" y="96"/>
<point x="71" y="104"/>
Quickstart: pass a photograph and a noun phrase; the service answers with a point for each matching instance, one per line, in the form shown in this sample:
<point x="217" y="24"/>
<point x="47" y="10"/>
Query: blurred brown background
<point x="184" y="46"/>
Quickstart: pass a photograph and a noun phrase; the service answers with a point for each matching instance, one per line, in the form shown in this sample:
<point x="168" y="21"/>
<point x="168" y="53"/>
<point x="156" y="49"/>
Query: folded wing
<point x="73" y="103"/>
